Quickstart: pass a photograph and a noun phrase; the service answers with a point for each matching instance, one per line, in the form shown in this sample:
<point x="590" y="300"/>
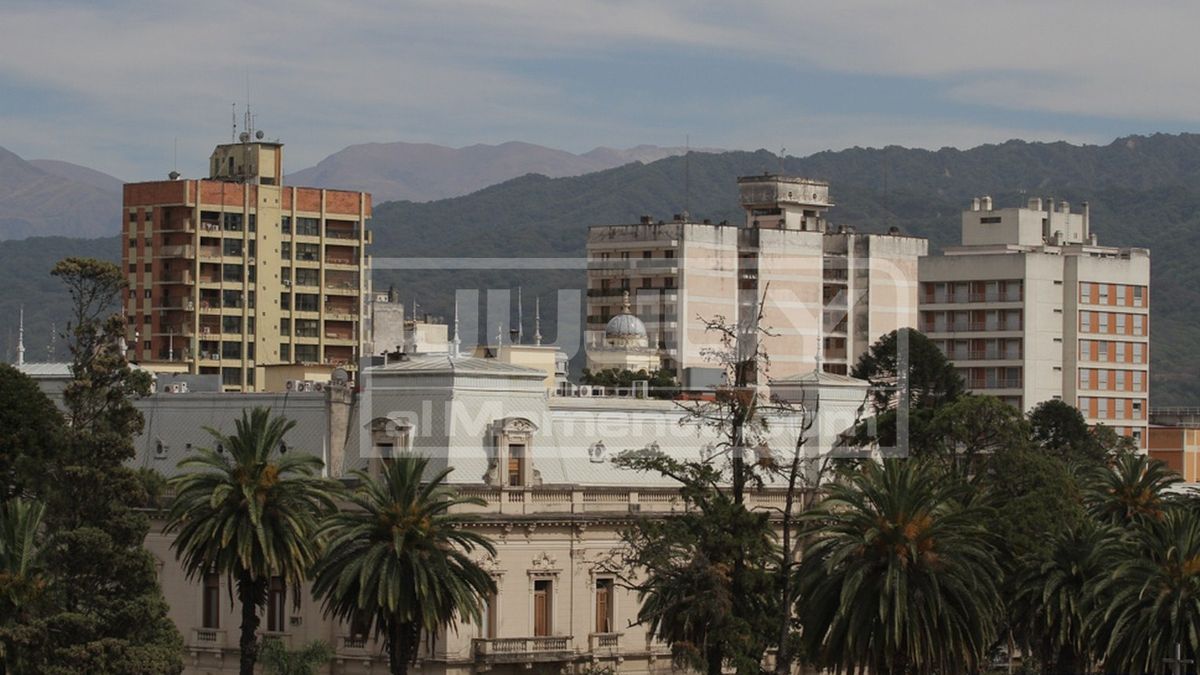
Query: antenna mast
<point x="233" y="131"/>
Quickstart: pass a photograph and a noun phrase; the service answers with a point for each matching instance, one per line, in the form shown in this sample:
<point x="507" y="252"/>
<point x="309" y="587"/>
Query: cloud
<point x="111" y="85"/>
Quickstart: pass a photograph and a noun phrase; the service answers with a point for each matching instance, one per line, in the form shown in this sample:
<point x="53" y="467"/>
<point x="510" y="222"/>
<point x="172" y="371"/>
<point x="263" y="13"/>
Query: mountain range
<point x="423" y="172"/>
<point x="44" y="197"/>
<point x="47" y="197"/>
<point x="1143" y="191"/>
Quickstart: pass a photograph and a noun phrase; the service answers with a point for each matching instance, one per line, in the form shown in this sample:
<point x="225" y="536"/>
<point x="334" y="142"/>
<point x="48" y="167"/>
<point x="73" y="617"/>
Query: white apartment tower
<point x="1030" y="308"/>
<point x="836" y="289"/>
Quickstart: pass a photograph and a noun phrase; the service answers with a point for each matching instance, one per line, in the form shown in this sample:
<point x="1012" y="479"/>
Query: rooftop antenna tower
<point x="21" y="338"/>
<point x="456" y="349"/>
<point x="520" y="319"/>
<point x="233" y="129"/>
<point x="537" y="321"/>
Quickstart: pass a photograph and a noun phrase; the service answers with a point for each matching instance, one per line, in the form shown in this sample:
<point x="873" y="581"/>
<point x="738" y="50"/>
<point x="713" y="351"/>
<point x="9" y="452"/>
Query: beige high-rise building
<point x="820" y="286"/>
<point x="1031" y="308"/>
<point x="235" y="273"/>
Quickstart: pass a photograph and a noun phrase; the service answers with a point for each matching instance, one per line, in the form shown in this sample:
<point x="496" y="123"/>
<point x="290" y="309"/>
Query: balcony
<point x="176" y="252"/>
<point x="208" y="638"/>
<point x="178" y="225"/>
<point x="184" y="303"/>
<point x="997" y="383"/>
<point x="604" y="644"/>
<point x="547" y="649"/>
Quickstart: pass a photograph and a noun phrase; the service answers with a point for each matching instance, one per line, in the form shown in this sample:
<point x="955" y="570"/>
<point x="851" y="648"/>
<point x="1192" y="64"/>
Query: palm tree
<point x="1149" y="600"/>
<point x="1050" y="605"/>
<point x="899" y="576"/>
<point x="397" y="561"/>
<point x="1135" y="490"/>
<point x="21" y="582"/>
<point x="250" y="514"/>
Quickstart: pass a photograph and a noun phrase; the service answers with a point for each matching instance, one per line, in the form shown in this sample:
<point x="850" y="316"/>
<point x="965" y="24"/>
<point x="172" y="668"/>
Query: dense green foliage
<point x="307" y="660"/>
<point x="249" y="511"/>
<point x="98" y="608"/>
<point x="901" y="574"/>
<point x="398" y="563"/>
<point x="1143" y="191"/>
<point x="660" y="382"/>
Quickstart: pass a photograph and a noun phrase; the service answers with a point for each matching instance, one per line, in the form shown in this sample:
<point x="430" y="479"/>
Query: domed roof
<point x="625" y="325"/>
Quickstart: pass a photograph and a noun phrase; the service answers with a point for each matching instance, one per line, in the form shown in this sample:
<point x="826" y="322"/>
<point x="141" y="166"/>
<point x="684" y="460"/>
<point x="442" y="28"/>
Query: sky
<point x="128" y="87"/>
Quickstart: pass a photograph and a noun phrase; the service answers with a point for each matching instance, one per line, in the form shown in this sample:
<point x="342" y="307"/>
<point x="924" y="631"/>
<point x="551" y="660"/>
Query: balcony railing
<point x="209" y="638"/>
<point x="524" y="649"/>
<point x="998" y="383"/>
<point x="176" y="252"/>
<point x="604" y="643"/>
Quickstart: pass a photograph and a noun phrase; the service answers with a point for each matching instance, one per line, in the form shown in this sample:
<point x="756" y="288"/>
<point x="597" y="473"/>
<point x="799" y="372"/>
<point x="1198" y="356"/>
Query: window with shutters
<point x="210" y="601"/>
<point x="276" y="606"/>
<point x="543" y="598"/>
<point x="604" y="605"/>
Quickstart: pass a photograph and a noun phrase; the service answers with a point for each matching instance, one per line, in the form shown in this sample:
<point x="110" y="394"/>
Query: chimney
<point x="1035" y="204"/>
<point x="986" y="203"/>
<point x="1087" y="221"/>
<point x="1065" y="206"/>
<point x="975" y="204"/>
<point x="1050" y="204"/>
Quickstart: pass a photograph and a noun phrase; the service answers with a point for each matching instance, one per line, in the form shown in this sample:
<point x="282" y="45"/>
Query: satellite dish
<point x="244" y="136"/>
<point x="339" y="375"/>
<point x="174" y="175"/>
<point x="259" y="134"/>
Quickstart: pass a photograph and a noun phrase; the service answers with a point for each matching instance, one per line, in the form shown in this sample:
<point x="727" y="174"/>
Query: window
<point x="231" y="272"/>
<point x="310" y="252"/>
<point x="306" y="354"/>
<point x="133" y="267"/>
<point x="1121" y="380"/>
<point x="231" y="324"/>
<point x="231" y="247"/>
<point x="1085" y="322"/>
<point x="1139" y="381"/>
<point x="542" y="610"/>
<point x="285" y="326"/>
<point x="1085" y="291"/>
<point x="306" y="302"/>
<point x="210" y="601"/>
<point x="276" y="605"/>
<point x="1103" y="294"/>
<point x="604" y="606"/>
<point x="231" y="350"/>
<point x="1139" y="295"/>
<point x="1139" y="324"/>
<point x="1102" y="379"/>
<point x="1137" y="410"/>
<point x="285" y="250"/>
<point x="1139" y="352"/>
<point x="233" y="222"/>
<point x="285" y="352"/>
<point x="307" y="328"/>
<point x="285" y="223"/>
<point x="231" y="377"/>
<point x="285" y="300"/>
<point x="147" y="294"/>
<point x="231" y="299"/>
<point x="307" y="277"/>
<point x="1085" y="378"/>
<point x="1103" y="321"/>
<point x="516" y="464"/>
<point x="307" y="227"/>
<point x="1121" y="324"/>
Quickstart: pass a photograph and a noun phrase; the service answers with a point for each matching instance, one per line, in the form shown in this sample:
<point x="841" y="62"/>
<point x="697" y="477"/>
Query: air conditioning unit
<point x="173" y="388"/>
<point x="585" y="390"/>
<point x="183" y="387"/>
<point x="306" y="385"/>
<point x="292" y="385"/>
<point x="318" y="386"/>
